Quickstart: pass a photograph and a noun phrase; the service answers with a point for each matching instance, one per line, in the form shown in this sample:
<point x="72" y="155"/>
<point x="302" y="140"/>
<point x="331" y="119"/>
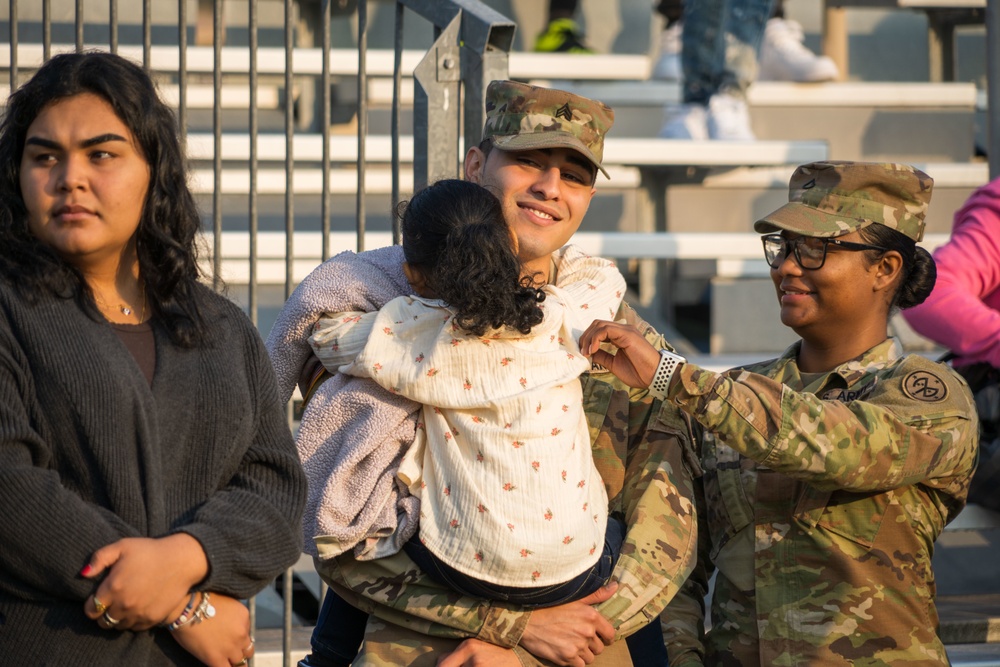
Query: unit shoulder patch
<point x="925" y="386"/>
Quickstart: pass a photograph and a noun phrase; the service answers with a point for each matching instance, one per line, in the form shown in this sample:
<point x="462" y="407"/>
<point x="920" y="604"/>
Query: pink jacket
<point x="963" y="311"/>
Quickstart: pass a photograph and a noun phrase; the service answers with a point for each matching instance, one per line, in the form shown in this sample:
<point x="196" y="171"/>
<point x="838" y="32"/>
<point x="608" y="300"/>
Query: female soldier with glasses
<point x="830" y="471"/>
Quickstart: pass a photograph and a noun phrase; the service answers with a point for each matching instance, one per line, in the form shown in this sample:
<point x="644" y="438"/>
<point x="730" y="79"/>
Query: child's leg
<point x="339" y="631"/>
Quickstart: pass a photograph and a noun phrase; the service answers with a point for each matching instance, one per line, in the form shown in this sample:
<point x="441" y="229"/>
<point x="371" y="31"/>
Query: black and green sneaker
<point x="561" y="36"/>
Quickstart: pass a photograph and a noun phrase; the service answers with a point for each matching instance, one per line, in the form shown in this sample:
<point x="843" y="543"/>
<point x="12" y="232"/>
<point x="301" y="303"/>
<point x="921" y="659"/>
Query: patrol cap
<point x="522" y="117"/>
<point x="834" y="198"/>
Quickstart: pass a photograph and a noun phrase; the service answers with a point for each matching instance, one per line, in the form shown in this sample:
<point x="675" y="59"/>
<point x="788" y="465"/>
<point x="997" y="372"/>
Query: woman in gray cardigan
<point x="148" y="479"/>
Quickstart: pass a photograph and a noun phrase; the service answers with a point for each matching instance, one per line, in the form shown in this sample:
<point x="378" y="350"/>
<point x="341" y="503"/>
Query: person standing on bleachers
<point x="719" y="62"/>
<point x="963" y="315"/>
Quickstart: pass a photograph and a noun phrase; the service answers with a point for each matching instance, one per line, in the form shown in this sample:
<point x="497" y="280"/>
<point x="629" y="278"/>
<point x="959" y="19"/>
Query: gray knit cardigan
<point x="90" y="453"/>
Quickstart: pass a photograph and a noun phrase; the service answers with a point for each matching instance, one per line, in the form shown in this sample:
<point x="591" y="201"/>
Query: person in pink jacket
<point x="963" y="315"/>
<point x="963" y="311"/>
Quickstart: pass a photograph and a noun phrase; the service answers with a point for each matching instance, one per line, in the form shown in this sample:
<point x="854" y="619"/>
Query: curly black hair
<point x="168" y="227"/>
<point x="919" y="269"/>
<point x="456" y="237"/>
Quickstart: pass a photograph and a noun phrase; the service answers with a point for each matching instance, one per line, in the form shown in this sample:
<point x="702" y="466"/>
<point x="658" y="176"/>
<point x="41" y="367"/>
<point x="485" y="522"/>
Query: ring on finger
<point x="112" y="622"/>
<point x="98" y="605"/>
<point x="241" y="662"/>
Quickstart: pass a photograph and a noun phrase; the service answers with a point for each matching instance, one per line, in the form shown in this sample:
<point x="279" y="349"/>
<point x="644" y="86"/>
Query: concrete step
<point x="908" y="122"/>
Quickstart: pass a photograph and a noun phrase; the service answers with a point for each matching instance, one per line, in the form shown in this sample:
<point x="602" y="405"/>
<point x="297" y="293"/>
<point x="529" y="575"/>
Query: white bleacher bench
<point x="344" y="62"/>
<point x="961" y="95"/>
<point x="737" y="254"/>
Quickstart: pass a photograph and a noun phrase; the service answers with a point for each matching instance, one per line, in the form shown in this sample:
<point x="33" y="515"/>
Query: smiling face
<point x="545" y="194"/>
<point x="84" y="182"/>
<point x="847" y="299"/>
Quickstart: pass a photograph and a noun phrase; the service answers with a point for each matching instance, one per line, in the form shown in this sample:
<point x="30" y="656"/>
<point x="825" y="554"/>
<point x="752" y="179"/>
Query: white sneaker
<point x="729" y="118"/>
<point x="668" y="64"/>
<point x="685" y="121"/>
<point x="783" y="56"/>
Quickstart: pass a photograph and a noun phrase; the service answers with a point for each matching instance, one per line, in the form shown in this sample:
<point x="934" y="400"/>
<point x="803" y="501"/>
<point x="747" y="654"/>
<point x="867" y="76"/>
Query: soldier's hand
<point x="635" y="361"/>
<point x="571" y="634"/>
<point x="477" y="653"/>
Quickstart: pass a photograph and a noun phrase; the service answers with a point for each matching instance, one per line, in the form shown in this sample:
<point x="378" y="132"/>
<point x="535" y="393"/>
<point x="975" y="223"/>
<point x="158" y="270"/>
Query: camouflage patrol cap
<point x="835" y="198"/>
<point x="522" y="117"/>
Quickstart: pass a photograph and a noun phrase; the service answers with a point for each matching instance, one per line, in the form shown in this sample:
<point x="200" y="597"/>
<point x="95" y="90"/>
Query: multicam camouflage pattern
<point x="835" y="198"/>
<point x="522" y="117"/>
<point x="824" y="497"/>
<point x="646" y="458"/>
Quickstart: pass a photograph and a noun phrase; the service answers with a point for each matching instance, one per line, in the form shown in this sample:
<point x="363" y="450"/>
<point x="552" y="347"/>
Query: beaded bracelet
<point x="664" y="371"/>
<point x="193" y="615"/>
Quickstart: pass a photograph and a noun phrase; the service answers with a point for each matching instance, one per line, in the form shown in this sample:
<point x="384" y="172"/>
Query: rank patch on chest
<point x="925" y="386"/>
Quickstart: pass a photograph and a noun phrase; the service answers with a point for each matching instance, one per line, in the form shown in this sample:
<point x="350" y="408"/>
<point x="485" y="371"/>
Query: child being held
<point x="512" y="506"/>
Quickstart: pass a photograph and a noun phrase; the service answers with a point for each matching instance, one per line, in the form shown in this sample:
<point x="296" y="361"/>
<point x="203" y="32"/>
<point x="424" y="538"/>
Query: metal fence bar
<point x="397" y="84"/>
<point x="289" y="148"/>
<point x="13" y="45"/>
<point x="79" y="25"/>
<point x="217" y="140"/>
<point x="112" y="25"/>
<point x="147" y="32"/>
<point x="362" y="117"/>
<point x="46" y="29"/>
<point x="993" y="85"/>
<point x="254" y="127"/>
<point x="181" y="69"/>
<point x="324" y="206"/>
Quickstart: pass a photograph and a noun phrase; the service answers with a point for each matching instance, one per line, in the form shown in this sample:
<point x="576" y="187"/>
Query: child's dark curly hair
<point x="455" y="236"/>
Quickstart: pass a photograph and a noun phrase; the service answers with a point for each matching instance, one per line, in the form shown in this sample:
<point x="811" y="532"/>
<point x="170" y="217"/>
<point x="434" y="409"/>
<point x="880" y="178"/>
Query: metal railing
<point x="470" y="48"/>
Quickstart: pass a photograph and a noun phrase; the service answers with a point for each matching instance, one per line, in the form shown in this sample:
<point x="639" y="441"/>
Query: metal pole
<point x="324" y="206"/>
<point x="13" y="45"/>
<point x="217" y="142"/>
<point x="362" y="117"/>
<point x="46" y="29"/>
<point x="112" y="24"/>
<point x="79" y="26"/>
<point x="289" y="158"/>
<point x="993" y="85"/>
<point x="147" y="32"/>
<point x="254" y="128"/>
<point x="181" y="71"/>
<point x="397" y="84"/>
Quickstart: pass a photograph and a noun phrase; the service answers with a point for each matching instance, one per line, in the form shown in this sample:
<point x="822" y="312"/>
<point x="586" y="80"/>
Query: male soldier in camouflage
<point x="830" y="471"/>
<point x="540" y="155"/>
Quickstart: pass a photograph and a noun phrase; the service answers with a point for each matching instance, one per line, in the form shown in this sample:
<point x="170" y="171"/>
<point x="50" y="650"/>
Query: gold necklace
<point x="124" y="308"/>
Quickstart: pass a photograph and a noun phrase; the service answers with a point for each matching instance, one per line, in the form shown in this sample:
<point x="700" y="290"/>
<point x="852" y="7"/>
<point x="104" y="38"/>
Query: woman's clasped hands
<point x="147" y="582"/>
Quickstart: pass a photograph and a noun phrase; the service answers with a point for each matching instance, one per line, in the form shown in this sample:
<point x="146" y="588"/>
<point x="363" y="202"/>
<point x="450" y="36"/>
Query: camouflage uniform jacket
<point x="645" y="457"/>
<point x="824" y="494"/>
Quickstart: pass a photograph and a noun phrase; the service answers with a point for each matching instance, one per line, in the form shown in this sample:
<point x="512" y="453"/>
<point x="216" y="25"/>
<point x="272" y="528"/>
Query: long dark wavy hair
<point x="166" y="236"/>
<point x="456" y="237"/>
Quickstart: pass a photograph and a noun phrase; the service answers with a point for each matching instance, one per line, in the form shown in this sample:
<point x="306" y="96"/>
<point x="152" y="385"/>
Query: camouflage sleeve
<point x="683" y="621"/>
<point x="883" y="442"/>
<point x="655" y="491"/>
<point x="395" y="590"/>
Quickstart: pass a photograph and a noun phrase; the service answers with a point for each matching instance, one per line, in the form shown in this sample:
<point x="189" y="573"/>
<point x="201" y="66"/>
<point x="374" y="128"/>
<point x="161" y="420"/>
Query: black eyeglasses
<point x="809" y="251"/>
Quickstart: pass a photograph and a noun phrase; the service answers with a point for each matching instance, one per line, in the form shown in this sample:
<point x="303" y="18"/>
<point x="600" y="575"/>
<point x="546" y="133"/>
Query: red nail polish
<point x="87" y="569"/>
